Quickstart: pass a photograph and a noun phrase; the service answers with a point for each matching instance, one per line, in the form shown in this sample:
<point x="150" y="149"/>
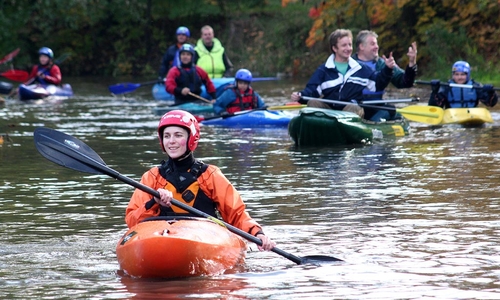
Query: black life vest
<point x="189" y="78"/>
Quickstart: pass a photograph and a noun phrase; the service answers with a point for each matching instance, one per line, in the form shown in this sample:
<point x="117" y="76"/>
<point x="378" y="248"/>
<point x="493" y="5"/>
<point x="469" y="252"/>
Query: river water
<point x="414" y="217"/>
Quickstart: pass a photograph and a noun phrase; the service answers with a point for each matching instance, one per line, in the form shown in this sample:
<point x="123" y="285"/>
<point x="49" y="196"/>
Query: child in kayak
<point x="46" y="72"/>
<point x="238" y="97"/>
<point x="186" y="79"/>
<point x="190" y="181"/>
<point x="450" y="96"/>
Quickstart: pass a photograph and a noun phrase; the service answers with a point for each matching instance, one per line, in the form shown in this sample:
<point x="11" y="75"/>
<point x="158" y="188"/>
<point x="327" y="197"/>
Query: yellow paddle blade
<point x="467" y="116"/>
<point x="283" y="107"/>
<point x="432" y="115"/>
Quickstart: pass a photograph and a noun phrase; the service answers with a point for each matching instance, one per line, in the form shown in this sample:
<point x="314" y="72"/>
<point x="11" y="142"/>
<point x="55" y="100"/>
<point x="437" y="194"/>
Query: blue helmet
<point x="183" y="30"/>
<point x="46" y="51"/>
<point x="186" y="48"/>
<point x="461" y="66"/>
<point x="243" y="75"/>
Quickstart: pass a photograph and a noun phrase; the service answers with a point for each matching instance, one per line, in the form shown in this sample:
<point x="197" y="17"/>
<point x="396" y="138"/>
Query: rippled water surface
<point x="413" y="218"/>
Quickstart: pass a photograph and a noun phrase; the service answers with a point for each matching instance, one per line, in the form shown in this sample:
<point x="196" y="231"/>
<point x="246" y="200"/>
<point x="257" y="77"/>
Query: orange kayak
<point x="181" y="247"/>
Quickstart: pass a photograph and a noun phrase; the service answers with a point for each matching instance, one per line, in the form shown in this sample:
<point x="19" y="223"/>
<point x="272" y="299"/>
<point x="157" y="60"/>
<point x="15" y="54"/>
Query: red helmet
<point x="183" y="119"/>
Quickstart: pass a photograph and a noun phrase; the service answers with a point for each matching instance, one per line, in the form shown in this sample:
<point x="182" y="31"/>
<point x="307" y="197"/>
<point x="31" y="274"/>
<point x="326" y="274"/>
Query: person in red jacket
<point x="46" y="72"/>
<point x="187" y="78"/>
<point x="190" y="181"/>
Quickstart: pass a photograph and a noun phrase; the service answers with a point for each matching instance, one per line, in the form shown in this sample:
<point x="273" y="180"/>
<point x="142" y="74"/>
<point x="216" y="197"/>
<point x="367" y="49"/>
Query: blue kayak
<point x="192" y="107"/>
<point x="159" y="92"/>
<point x="253" y="119"/>
<point x="38" y="91"/>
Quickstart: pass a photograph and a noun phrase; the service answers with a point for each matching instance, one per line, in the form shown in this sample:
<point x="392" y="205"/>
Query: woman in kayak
<point x="238" y="97"/>
<point x="187" y="78"/>
<point x="458" y="97"/>
<point x="46" y="72"/>
<point x="190" y="181"/>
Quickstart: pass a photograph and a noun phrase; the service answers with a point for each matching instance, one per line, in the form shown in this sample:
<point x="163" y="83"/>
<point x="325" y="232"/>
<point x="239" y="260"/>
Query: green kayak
<point x="327" y="127"/>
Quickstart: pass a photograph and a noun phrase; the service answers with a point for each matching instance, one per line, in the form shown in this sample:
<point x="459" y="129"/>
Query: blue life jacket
<point x="176" y="61"/>
<point x="462" y="97"/>
<point x="45" y="71"/>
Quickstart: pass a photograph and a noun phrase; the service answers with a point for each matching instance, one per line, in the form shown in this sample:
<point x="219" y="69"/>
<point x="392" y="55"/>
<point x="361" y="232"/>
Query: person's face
<point x="369" y="49"/>
<point x="181" y="38"/>
<point x="242" y="85"/>
<point x="44" y="59"/>
<point x="459" y="77"/>
<point x="343" y="49"/>
<point x="186" y="57"/>
<point x="207" y="35"/>
<point x="175" y="141"/>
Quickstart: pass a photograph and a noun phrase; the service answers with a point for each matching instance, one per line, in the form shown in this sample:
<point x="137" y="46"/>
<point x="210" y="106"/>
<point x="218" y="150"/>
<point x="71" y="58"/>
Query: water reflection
<point x="415" y="217"/>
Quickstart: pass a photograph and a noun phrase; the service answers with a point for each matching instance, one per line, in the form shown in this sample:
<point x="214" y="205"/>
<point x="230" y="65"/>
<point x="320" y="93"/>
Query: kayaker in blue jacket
<point x="171" y="57"/>
<point x="238" y="97"/>
<point x="343" y="78"/>
<point x="368" y="53"/>
<point x="458" y="97"/>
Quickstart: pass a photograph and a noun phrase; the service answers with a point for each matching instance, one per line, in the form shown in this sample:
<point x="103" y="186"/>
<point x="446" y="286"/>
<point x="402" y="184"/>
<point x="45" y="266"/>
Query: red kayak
<point x="181" y="247"/>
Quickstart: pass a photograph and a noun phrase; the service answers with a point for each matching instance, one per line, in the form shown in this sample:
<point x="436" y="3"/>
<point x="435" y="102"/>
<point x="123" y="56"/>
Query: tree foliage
<point x="119" y="37"/>
<point x="445" y="31"/>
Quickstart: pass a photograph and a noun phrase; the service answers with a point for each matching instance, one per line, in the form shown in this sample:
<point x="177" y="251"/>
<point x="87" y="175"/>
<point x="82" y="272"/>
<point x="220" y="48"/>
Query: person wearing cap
<point x="170" y="58"/>
<point x="211" y="56"/>
<point x="184" y="178"/>
<point x="239" y="96"/>
<point x="46" y="71"/>
<point x="187" y="78"/>
<point x="458" y="97"/>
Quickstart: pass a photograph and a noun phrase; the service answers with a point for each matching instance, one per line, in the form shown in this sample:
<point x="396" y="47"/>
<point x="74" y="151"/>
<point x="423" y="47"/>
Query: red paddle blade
<point x="9" y="56"/>
<point x="16" y="75"/>
<point x="199" y="118"/>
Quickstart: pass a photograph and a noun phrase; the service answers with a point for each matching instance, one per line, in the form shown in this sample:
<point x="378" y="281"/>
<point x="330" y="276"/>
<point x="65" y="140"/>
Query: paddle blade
<point x="62" y="149"/>
<point x="318" y="259"/>
<point x="16" y="75"/>
<point x="431" y="115"/>
<point x="9" y="56"/>
<point x="123" y="88"/>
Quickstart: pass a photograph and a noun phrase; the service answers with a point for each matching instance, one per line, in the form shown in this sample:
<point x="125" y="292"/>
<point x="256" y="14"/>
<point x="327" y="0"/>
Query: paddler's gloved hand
<point x="435" y="84"/>
<point x="488" y="88"/>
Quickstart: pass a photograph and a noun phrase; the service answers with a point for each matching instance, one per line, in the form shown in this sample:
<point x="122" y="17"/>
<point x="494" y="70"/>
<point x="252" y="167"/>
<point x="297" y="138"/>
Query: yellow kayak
<point x="467" y="116"/>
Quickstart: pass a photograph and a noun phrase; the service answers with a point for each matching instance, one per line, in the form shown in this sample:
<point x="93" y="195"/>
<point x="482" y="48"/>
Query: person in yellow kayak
<point x="238" y="97"/>
<point x="190" y="181"/>
<point x="211" y="56"/>
<point x="449" y="96"/>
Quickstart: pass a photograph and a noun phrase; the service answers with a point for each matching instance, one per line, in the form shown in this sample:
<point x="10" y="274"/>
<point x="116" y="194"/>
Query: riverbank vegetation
<point x="122" y="37"/>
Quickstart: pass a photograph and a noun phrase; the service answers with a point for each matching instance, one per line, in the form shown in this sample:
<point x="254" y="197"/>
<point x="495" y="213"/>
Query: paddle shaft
<point x="200" y="97"/>
<point x="71" y="149"/>
<point x="238" y="113"/>
<point x="464" y="86"/>
<point x="9" y="56"/>
<point x="403" y="111"/>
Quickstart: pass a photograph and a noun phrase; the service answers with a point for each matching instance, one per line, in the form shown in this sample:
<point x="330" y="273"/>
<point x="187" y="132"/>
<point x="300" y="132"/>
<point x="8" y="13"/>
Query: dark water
<point x="414" y="217"/>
